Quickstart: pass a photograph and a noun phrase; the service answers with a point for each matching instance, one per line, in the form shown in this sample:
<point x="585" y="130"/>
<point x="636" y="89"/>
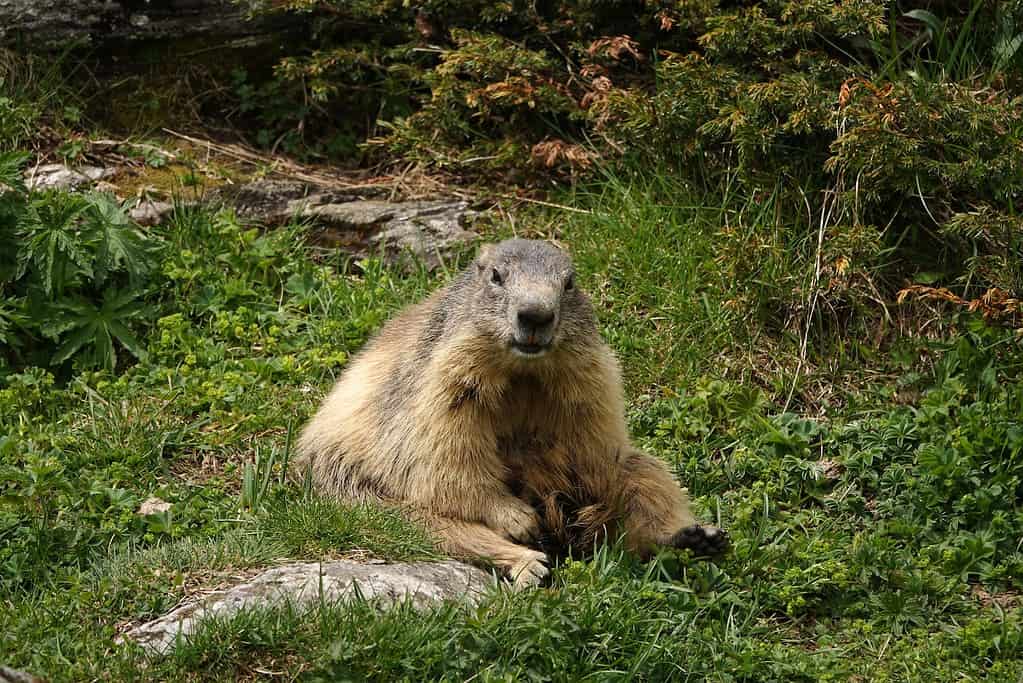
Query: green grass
<point x="35" y="90"/>
<point x="869" y="518"/>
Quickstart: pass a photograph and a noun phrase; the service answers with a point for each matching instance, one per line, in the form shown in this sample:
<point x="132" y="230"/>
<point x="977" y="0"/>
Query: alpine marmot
<point x="493" y="413"/>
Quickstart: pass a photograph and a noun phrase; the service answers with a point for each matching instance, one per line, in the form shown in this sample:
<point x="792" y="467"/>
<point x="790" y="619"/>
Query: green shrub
<point x="947" y="157"/>
<point x="73" y="276"/>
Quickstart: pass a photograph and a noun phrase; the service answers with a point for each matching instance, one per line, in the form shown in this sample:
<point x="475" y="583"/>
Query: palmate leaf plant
<point x="89" y="330"/>
<point x="52" y="254"/>
<point x="119" y="244"/>
<point x="74" y="279"/>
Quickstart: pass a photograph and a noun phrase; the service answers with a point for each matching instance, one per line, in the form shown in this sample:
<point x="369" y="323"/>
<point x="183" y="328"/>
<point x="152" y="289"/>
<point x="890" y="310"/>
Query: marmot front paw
<point x="516" y="520"/>
<point x="702" y="540"/>
<point x="530" y="571"/>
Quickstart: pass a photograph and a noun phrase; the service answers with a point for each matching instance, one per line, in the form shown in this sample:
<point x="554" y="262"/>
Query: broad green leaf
<point x="11" y="164"/>
<point x="53" y="250"/>
<point x="92" y="330"/>
<point x="119" y="244"/>
<point x="84" y="333"/>
<point x="1005" y="50"/>
<point x="929" y="19"/>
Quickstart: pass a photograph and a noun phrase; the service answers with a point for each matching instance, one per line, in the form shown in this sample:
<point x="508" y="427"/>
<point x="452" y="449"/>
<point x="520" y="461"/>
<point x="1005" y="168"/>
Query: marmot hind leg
<point x="573" y="529"/>
<point x="657" y="511"/>
<point x="473" y="541"/>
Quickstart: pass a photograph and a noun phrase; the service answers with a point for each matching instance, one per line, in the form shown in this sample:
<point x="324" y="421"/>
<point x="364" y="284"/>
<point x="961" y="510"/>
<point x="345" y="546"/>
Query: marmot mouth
<point x="529" y="349"/>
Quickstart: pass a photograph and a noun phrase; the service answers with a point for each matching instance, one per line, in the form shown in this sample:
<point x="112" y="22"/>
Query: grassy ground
<point x="873" y="496"/>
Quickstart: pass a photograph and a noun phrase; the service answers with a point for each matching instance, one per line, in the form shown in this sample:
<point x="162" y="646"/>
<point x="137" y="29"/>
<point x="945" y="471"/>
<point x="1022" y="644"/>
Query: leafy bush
<point x="73" y="277"/>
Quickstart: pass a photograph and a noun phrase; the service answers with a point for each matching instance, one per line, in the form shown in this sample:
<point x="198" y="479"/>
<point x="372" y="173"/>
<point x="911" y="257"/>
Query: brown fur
<point x="487" y="447"/>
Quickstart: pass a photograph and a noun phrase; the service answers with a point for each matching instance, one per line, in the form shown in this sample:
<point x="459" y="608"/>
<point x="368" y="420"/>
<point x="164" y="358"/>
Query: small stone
<point x="110" y="188"/>
<point x="150" y="212"/>
<point x="831" y="469"/>
<point x="96" y="173"/>
<point x="153" y="505"/>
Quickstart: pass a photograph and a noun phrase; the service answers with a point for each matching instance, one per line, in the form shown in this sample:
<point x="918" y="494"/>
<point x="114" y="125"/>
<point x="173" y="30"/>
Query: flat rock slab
<point x="9" y="675"/>
<point x="406" y="233"/>
<point x="55" y="24"/>
<point x="305" y="584"/>
<point x="264" y="201"/>
<point x="427" y="230"/>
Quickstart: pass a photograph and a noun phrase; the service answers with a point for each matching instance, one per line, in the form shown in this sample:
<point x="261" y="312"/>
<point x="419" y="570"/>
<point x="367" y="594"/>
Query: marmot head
<point x="526" y="299"/>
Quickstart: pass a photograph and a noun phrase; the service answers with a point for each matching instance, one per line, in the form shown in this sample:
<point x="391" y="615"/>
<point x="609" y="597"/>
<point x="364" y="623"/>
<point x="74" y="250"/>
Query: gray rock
<point x="54" y="24"/>
<point x="306" y="584"/>
<point x="62" y="177"/>
<point x="351" y="214"/>
<point x="265" y="201"/>
<point x="430" y="234"/>
<point x="425" y="230"/>
<point x="150" y="212"/>
<point x="56" y="177"/>
<point x="411" y="232"/>
<point x="9" y="675"/>
<point x="152" y="505"/>
<point x="96" y="173"/>
<point x="109" y="188"/>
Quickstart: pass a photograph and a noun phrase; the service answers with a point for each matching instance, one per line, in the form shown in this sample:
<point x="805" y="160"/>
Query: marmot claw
<point x="530" y="571"/>
<point x="702" y="540"/>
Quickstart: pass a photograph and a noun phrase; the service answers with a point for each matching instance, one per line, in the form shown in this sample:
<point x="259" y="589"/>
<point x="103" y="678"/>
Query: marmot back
<point x="494" y="399"/>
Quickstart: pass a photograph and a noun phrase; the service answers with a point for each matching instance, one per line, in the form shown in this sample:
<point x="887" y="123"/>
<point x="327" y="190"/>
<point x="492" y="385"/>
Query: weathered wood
<point x="51" y="24"/>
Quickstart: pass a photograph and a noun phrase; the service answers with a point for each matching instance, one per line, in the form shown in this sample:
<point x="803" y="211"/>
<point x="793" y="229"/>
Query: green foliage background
<point x="893" y="127"/>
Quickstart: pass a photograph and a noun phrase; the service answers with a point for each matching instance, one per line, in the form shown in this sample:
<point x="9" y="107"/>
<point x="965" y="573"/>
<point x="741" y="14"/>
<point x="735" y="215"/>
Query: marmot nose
<point x="535" y="317"/>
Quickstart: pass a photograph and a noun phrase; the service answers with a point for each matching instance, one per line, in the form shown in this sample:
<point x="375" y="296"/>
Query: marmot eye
<point x="495" y="276"/>
<point x="570" y="283"/>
